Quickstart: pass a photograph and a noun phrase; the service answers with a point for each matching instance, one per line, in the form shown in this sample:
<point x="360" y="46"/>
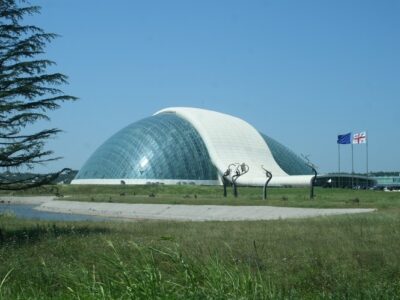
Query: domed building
<point x="191" y="146"/>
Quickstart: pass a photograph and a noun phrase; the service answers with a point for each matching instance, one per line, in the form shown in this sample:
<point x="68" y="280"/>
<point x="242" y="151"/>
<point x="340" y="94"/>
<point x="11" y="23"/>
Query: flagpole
<point x="338" y="165"/>
<point x="352" y="165"/>
<point x="366" y="144"/>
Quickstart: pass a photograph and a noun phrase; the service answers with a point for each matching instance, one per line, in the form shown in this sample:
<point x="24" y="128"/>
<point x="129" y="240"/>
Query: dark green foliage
<point x="63" y="178"/>
<point x="385" y="173"/>
<point x="27" y="93"/>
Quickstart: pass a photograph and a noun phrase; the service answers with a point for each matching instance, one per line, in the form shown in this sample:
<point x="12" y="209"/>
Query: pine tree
<point x="27" y="93"/>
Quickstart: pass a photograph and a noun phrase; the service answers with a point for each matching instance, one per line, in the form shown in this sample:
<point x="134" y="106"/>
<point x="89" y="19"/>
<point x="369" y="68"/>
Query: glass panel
<point x="163" y="146"/>
<point x="287" y="159"/>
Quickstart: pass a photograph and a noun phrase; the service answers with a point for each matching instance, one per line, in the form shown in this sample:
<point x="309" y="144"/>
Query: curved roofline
<point x="227" y="139"/>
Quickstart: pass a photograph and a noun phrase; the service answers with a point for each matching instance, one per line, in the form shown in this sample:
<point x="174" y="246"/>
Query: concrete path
<point x="191" y="212"/>
<point x="26" y="199"/>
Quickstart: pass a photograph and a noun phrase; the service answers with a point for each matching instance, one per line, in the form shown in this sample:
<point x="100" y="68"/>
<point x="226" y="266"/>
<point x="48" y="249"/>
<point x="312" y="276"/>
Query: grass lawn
<point x="199" y="195"/>
<point x="349" y="256"/>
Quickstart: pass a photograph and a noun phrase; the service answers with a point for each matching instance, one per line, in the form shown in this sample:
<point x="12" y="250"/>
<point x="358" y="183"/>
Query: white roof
<point x="233" y="140"/>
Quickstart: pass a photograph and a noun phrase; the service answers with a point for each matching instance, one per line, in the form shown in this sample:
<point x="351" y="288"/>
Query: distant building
<point x="388" y="180"/>
<point x="191" y="146"/>
<point x="344" y="180"/>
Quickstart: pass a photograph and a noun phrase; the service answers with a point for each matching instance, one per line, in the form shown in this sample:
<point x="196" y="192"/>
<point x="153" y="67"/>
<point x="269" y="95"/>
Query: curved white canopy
<point x="233" y="140"/>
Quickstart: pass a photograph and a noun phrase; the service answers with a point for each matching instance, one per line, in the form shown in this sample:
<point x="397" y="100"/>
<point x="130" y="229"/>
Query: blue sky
<point x="299" y="71"/>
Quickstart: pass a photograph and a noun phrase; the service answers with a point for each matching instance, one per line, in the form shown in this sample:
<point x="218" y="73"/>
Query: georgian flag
<point x="360" y="138"/>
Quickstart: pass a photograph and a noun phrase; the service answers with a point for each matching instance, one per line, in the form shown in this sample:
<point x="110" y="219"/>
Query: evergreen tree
<point x="27" y="93"/>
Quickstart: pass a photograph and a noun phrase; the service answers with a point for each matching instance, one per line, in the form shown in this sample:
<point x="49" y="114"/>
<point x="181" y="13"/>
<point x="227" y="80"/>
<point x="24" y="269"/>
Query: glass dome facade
<point x="162" y="146"/>
<point x="168" y="147"/>
<point x="289" y="162"/>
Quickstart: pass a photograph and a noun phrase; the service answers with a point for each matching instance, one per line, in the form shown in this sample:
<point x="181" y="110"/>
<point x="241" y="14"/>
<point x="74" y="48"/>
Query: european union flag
<point x="344" y="138"/>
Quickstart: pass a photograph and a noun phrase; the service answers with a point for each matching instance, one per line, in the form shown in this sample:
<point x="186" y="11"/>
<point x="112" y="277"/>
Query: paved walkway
<point x="191" y="212"/>
<point x="26" y="199"/>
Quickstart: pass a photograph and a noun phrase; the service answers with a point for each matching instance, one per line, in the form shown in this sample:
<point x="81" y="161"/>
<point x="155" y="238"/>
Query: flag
<point x="344" y="138"/>
<point x="360" y="138"/>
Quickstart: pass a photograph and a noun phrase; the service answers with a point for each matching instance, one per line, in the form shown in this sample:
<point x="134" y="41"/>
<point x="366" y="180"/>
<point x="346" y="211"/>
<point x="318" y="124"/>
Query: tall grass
<point x="352" y="257"/>
<point x="165" y="273"/>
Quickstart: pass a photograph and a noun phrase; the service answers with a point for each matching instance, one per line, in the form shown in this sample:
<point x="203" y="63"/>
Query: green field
<point x="341" y="257"/>
<point x="213" y="195"/>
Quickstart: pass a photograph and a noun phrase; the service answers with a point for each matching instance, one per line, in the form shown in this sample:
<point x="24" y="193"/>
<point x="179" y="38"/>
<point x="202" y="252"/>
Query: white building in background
<point x="182" y="145"/>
